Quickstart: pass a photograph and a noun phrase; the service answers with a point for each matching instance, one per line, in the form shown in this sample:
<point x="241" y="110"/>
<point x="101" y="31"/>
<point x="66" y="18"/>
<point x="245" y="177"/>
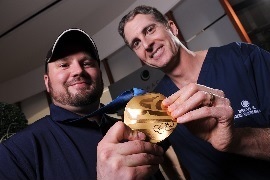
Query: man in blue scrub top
<point x="59" y="147"/>
<point x="217" y="137"/>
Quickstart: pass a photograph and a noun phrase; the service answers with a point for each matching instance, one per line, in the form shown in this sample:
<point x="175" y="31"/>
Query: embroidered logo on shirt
<point x="247" y="110"/>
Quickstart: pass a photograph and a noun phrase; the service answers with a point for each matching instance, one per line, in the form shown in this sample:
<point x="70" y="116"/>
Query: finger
<point x="120" y="132"/>
<point x="221" y="113"/>
<point x="211" y="99"/>
<point x="182" y="95"/>
<point x="144" y="172"/>
<point x="221" y="101"/>
<point x="211" y="90"/>
<point x="139" y="172"/>
<point x="137" y="147"/>
<point x="197" y="100"/>
<point x="173" y="101"/>
<point x="142" y="159"/>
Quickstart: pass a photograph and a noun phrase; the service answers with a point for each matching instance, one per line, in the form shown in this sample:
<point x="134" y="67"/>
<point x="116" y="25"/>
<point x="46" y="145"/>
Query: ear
<point x="173" y="27"/>
<point x="46" y="81"/>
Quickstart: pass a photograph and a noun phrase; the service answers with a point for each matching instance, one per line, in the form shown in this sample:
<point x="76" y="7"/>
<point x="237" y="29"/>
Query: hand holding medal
<point x="145" y="113"/>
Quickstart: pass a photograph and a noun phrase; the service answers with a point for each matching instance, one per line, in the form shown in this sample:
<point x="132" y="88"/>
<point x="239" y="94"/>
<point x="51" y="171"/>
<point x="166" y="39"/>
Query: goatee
<point x="84" y="96"/>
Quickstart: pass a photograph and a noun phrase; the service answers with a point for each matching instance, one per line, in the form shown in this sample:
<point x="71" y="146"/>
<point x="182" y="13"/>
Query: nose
<point x="76" y="69"/>
<point x="148" y="43"/>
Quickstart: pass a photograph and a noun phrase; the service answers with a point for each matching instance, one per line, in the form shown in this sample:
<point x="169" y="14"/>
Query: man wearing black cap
<point x="59" y="147"/>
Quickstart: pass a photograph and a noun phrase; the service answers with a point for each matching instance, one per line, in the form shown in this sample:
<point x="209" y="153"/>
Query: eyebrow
<point x="87" y="57"/>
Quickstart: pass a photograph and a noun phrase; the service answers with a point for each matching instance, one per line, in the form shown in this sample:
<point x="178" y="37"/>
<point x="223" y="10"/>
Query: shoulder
<point x="238" y="47"/>
<point x="250" y="52"/>
<point x="235" y="50"/>
<point x="26" y="135"/>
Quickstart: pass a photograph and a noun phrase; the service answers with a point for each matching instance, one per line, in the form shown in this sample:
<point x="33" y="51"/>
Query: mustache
<point x="78" y="80"/>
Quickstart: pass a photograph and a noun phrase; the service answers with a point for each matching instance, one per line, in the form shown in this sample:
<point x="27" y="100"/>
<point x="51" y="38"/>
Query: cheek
<point x="141" y="54"/>
<point x="94" y="74"/>
<point x="174" y="41"/>
<point x="58" y="79"/>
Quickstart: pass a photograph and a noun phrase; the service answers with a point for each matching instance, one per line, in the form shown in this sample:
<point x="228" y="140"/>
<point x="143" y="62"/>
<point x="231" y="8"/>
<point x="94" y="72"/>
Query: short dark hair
<point x="158" y="16"/>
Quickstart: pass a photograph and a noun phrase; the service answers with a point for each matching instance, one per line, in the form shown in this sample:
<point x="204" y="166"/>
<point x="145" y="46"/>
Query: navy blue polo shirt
<point x="242" y="71"/>
<point x="51" y="149"/>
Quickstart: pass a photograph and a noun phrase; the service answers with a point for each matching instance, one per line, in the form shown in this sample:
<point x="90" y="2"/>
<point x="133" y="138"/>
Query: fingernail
<point x="141" y="135"/>
<point x="180" y="120"/>
<point x="165" y="101"/>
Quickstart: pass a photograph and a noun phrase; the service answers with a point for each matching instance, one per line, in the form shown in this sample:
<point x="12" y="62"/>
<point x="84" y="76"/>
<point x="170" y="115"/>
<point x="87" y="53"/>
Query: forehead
<point x="135" y="26"/>
<point x="70" y="58"/>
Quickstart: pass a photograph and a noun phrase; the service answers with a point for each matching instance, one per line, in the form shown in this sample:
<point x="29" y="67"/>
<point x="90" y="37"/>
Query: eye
<point x="63" y="65"/>
<point x="151" y="29"/>
<point x="90" y="63"/>
<point x="136" y="44"/>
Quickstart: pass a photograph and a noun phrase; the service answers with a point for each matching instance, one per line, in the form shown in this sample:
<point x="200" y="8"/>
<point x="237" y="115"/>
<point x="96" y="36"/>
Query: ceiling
<point x="29" y="27"/>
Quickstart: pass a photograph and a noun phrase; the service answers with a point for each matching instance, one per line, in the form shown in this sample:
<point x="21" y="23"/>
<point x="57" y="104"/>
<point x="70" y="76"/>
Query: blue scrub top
<point x="242" y="71"/>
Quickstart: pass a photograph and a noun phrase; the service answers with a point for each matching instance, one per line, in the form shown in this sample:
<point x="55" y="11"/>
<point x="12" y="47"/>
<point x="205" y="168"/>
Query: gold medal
<point x="145" y="113"/>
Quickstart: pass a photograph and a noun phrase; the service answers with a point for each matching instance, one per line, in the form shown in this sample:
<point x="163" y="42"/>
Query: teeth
<point x="157" y="53"/>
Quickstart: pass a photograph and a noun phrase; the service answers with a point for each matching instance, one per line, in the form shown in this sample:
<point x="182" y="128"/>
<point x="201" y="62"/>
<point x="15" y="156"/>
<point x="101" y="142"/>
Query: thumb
<point x="120" y="132"/>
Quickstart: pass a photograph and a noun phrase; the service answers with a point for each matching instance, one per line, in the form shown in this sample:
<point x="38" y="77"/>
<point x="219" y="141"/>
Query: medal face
<point x="145" y="113"/>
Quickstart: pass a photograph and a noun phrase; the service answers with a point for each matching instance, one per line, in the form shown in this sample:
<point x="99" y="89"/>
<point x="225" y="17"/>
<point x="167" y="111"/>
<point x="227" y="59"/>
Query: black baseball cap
<point x="71" y="37"/>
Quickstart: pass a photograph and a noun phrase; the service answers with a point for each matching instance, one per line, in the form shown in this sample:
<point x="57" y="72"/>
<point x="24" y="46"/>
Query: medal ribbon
<point x="115" y="105"/>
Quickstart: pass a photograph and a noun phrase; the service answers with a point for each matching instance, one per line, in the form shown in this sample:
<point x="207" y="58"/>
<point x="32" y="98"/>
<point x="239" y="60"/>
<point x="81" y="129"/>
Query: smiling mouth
<point x="79" y="83"/>
<point x="157" y="53"/>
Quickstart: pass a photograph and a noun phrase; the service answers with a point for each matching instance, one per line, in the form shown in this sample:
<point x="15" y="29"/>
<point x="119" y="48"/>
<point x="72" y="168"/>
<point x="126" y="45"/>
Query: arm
<point x="252" y="142"/>
<point x="122" y="154"/>
<point x="12" y="166"/>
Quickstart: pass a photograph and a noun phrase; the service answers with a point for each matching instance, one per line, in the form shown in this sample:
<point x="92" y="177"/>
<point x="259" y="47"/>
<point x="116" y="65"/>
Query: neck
<point x="188" y="68"/>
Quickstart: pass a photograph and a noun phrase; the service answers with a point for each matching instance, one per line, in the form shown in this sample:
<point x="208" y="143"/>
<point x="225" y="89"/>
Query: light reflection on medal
<point x="146" y="114"/>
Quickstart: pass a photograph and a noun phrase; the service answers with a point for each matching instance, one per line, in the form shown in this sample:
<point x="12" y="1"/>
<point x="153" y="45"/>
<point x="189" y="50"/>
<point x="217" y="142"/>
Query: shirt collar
<point x="60" y="114"/>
